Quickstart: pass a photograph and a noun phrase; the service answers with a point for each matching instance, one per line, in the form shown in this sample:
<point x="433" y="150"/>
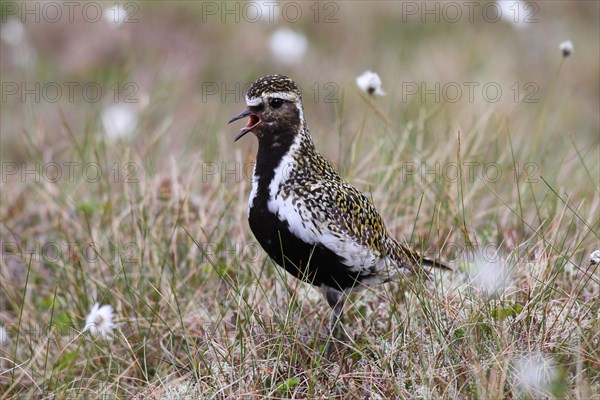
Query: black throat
<point x="272" y="147"/>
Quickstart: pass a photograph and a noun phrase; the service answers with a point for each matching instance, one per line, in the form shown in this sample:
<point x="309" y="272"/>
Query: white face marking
<point x="265" y="97"/>
<point x="289" y="96"/>
<point x="284" y="168"/>
<point x="255" y="101"/>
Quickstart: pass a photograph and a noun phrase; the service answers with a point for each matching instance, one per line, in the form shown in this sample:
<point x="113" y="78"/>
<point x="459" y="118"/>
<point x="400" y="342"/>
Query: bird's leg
<point x="335" y="299"/>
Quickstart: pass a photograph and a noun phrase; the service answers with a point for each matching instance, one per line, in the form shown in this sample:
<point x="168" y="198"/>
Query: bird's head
<point x="274" y="108"/>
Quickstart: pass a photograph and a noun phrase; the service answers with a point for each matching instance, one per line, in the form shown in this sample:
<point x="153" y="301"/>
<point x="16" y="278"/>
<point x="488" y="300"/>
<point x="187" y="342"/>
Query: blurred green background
<point x="154" y="83"/>
<point x="168" y="58"/>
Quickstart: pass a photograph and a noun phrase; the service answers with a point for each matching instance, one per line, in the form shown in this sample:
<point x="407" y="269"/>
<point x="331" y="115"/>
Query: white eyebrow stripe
<point x="289" y="96"/>
<point x="254" y="101"/>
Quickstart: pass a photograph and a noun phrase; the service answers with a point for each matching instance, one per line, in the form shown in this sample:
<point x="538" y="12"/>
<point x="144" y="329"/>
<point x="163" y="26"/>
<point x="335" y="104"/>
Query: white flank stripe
<point x="255" y="179"/>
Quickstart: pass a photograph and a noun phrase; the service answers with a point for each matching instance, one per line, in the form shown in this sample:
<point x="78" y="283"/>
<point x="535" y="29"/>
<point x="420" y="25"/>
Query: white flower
<point x="99" y="321"/>
<point x="119" y="121"/>
<point x="13" y="32"/>
<point x="515" y="12"/>
<point x="566" y="48"/>
<point x="3" y="336"/>
<point x="595" y="257"/>
<point x="370" y="82"/>
<point x="288" y="46"/>
<point x="181" y="391"/>
<point x="115" y="15"/>
<point x="535" y="373"/>
<point x="263" y="11"/>
<point x="489" y="273"/>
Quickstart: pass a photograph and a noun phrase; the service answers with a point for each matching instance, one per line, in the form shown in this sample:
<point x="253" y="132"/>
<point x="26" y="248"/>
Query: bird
<point x="308" y="219"/>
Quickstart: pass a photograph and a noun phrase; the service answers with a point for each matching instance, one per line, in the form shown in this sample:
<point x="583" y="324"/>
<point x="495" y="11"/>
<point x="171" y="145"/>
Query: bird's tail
<point x="436" y="264"/>
<point x="419" y="259"/>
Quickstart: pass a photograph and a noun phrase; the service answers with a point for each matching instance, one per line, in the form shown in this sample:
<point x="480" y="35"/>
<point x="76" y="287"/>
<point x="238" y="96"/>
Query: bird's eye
<point x="275" y="103"/>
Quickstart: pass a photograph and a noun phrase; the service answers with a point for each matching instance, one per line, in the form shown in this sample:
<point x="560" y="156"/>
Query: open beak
<point x="252" y="122"/>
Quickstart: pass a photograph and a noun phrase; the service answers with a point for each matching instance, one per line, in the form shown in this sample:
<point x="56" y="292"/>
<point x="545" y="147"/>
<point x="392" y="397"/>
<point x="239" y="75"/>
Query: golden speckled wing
<point x="356" y="216"/>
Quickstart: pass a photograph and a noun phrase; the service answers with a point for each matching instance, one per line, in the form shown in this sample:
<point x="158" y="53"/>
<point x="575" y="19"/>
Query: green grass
<point x="202" y="312"/>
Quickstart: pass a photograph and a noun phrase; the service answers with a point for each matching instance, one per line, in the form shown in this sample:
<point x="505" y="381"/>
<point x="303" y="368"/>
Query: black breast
<point x="313" y="263"/>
